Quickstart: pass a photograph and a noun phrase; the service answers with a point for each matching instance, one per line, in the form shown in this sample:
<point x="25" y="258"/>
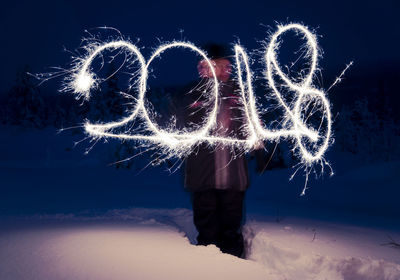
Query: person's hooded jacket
<point x="220" y="166"/>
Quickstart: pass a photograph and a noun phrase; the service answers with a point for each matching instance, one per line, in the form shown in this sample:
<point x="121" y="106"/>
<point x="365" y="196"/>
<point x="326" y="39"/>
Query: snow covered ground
<point x="64" y="215"/>
<point x="146" y="244"/>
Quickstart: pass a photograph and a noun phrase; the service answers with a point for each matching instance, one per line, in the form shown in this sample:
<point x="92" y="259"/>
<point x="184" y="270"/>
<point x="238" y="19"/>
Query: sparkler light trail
<point x="310" y="144"/>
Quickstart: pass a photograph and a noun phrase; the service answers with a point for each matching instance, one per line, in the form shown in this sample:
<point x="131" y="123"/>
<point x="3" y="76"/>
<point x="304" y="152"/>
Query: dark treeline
<point x="366" y="119"/>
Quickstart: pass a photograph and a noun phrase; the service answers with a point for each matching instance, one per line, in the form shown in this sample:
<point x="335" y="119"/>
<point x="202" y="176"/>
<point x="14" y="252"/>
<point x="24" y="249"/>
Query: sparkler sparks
<point x="310" y="144"/>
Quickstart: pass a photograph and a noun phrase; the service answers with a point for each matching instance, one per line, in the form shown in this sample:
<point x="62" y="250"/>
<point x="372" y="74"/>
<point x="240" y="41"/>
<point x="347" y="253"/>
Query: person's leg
<point x="230" y="214"/>
<point x="205" y="216"/>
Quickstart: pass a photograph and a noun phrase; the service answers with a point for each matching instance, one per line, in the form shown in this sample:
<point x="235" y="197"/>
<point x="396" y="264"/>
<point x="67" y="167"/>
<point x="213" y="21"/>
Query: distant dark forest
<point x="364" y="104"/>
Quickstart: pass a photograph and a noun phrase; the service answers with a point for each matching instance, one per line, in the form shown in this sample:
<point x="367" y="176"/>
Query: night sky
<point x="34" y="32"/>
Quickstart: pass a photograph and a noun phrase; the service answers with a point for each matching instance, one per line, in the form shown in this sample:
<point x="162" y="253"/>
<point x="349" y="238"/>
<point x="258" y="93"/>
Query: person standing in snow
<point x="217" y="176"/>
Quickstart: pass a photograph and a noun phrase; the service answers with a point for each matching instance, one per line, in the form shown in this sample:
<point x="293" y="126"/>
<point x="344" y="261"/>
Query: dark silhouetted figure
<point x="217" y="176"/>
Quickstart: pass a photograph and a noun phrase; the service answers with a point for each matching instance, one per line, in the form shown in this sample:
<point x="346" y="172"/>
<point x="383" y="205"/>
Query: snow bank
<point x="146" y="244"/>
<point x="113" y="251"/>
<point x="291" y="253"/>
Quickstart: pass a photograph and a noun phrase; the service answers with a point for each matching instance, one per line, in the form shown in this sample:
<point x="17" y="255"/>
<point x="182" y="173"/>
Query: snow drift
<point x="157" y="244"/>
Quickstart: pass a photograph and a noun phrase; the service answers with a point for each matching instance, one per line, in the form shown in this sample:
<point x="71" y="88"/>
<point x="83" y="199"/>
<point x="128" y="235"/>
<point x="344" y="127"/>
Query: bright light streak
<point x="83" y="83"/>
<point x="179" y="143"/>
